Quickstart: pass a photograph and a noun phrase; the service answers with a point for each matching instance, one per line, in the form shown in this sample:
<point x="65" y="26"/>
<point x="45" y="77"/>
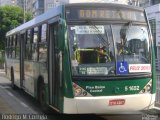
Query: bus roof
<point x="57" y="10"/>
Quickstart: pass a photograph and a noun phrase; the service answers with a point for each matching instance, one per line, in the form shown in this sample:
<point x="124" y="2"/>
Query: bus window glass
<point x="28" y="46"/>
<point x="13" y="46"/>
<point x="132" y="44"/>
<point x="7" y="41"/>
<point x="91" y="49"/>
<point x="43" y="52"/>
<point x="35" y="36"/>
<point x="7" y="47"/>
<point x="34" y="44"/>
<point x="28" y="40"/>
<point x="43" y="32"/>
<point x="17" y="47"/>
<point x="34" y="52"/>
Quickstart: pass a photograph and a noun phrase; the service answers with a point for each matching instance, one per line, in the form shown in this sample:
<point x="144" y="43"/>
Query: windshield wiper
<point x="123" y="37"/>
<point x="104" y="42"/>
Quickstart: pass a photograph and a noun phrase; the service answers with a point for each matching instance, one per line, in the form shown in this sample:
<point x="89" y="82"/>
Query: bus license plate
<point x="116" y="102"/>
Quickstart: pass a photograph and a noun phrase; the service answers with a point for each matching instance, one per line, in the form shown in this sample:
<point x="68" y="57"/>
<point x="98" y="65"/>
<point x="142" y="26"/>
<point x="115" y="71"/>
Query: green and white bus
<point x="85" y="58"/>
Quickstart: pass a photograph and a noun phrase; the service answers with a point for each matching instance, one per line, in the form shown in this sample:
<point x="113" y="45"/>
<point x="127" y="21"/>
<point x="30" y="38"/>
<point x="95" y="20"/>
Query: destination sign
<point x="89" y="29"/>
<point x="104" y="13"/>
<point x="93" y="70"/>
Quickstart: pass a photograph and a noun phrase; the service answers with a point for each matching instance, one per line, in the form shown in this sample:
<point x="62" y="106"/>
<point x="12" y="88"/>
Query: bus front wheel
<point x="12" y="79"/>
<point x="43" y="99"/>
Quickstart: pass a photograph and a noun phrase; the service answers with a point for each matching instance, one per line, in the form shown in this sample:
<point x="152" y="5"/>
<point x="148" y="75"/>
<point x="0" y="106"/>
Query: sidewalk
<point x="5" y="108"/>
<point x="3" y="78"/>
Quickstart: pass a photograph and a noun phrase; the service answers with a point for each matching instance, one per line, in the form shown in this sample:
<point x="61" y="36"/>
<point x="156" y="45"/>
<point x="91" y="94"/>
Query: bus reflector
<point x="116" y="102"/>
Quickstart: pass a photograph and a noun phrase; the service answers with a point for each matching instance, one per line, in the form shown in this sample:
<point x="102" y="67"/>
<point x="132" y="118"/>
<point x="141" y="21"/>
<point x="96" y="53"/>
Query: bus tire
<point x="12" y="79"/>
<point x="43" y="99"/>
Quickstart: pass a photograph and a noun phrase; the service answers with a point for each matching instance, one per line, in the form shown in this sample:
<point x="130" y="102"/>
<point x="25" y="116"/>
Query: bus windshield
<point x="101" y="50"/>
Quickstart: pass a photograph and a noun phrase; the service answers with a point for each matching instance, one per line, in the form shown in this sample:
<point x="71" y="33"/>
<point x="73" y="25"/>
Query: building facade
<point x="7" y="2"/>
<point x="153" y="13"/>
<point x="38" y="8"/>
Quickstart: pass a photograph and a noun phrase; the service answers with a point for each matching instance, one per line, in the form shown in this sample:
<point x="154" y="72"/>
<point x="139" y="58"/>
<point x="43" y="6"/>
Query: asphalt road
<point x="16" y="104"/>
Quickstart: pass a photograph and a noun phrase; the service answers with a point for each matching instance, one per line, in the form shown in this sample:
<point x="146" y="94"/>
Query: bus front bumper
<point x="126" y="104"/>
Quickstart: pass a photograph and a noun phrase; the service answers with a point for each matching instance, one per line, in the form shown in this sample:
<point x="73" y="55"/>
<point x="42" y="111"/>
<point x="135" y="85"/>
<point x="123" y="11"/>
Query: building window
<point x="50" y="5"/>
<point x="43" y="33"/>
<point x="153" y="30"/>
<point x="43" y="44"/>
<point x="155" y="2"/>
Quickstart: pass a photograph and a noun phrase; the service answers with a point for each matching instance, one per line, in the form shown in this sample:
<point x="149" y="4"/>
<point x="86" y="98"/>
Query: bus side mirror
<point x="61" y="21"/>
<point x="62" y="32"/>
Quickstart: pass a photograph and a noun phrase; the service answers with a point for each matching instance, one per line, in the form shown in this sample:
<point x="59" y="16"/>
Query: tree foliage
<point x="10" y="17"/>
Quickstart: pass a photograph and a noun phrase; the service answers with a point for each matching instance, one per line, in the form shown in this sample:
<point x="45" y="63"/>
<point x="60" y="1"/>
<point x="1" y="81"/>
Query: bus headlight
<point x="147" y="88"/>
<point x="77" y="91"/>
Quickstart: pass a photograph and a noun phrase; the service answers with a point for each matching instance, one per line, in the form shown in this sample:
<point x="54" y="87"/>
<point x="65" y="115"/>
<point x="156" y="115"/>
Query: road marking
<point x="4" y="87"/>
<point x="10" y="94"/>
<point x="22" y="103"/>
<point x="17" y="100"/>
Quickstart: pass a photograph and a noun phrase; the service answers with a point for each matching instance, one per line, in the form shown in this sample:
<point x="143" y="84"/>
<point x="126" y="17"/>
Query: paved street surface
<point x="22" y="106"/>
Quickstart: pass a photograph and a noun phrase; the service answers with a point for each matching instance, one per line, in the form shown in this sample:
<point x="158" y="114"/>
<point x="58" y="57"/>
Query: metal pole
<point x="24" y="11"/>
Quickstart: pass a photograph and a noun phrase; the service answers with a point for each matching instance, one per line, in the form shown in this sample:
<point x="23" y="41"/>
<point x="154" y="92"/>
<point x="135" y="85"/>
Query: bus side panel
<point x="13" y="64"/>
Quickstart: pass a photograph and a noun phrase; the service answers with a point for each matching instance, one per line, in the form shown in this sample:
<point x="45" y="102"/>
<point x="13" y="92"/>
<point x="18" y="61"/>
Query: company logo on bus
<point x="116" y="102"/>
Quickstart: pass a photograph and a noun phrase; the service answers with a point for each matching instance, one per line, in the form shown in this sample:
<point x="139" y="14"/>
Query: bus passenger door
<point x="54" y="66"/>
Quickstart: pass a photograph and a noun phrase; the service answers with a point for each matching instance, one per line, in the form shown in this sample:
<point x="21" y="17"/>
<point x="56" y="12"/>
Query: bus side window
<point x="43" y="52"/>
<point x="17" y="47"/>
<point x="43" y="32"/>
<point x="13" y="46"/>
<point x="7" y="47"/>
<point x="28" y="45"/>
<point x="10" y="48"/>
<point x="34" y="44"/>
<point x="43" y="44"/>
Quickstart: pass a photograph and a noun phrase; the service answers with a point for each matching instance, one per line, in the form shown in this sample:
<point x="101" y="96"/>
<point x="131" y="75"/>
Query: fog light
<point x="84" y="93"/>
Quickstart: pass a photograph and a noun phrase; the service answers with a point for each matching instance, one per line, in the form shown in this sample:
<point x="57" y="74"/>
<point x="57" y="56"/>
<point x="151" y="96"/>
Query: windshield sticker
<point x="74" y="63"/>
<point x="139" y="68"/>
<point x="93" y="70"/>
<point x="89" y="29"/>
<point x="122" y="67"/>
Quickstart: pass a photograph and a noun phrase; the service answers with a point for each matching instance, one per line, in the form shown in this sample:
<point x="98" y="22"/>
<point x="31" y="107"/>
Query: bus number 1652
<point x="131" y="88"/>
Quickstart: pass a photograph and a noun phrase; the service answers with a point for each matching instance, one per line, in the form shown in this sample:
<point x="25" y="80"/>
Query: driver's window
<point x="95" y="47"/>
